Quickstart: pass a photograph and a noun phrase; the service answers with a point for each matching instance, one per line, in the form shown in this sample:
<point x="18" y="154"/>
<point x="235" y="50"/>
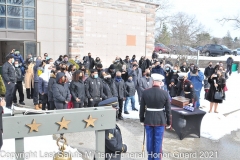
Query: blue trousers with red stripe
<point x="154" y="135"/>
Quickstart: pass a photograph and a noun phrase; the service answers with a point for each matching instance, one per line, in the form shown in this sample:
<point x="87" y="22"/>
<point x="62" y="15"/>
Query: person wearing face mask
<point x="77" y="89"/>
<point x="217" y="83"/>
<point x="99" y="68"/>
<point x="43" y="86"/>
<point x="64" y="68"/>
<point x="61" y="93"/>
<point x="191" y="67"/>
<point x="133" y="59"/>
<point x="94" y="89"/>
<point x="18" y="57"/>
<point x="65" y="60"/>
<point x="130" y="94"/>
<point x="29" y="77"/>
<point x="119" y="82"/>
<point x="174" y="74"/>
<point x="58" y="61"/>
<point x="168" y="70"/>
<point x="109" y="87"/>
<point x="126" y="61"/>
<point x="229" y="62"/>
<point x="209" y="70"/>
<point x="196" y="77"/>
<point x="18" y="85"/>
<point x="51" y="81"/>
<point x="185" y="88"/>
<point x="143" y="64"/>
<point x="69" y="73"/>
<point x="9" y="79"/>
<point x="88" y="61"/>
<point x="184" y="68"/>
<point x="97" y="61"/>
<point x="117" y="64"/>
<point x="146" y="81"/>
<point x="111" y="70"/>
<point x="36" y="98"/>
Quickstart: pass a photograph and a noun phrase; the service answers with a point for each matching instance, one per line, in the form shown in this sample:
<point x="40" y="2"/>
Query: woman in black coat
<point x="217" y="83"/>
<point x="77" y="89"/>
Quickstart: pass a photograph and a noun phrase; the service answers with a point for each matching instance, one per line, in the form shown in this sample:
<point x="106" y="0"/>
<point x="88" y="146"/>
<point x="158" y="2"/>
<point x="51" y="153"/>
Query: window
<point x="218" y="47"/>
<point x="17" y="14"/>
<point x="238" y="49"/>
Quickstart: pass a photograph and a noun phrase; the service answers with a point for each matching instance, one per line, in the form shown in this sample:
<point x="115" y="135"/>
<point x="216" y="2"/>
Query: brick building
<point x="106" y="28"/>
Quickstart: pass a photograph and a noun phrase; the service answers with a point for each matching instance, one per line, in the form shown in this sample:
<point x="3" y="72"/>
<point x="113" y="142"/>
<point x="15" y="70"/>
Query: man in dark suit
<point x="155" y="113"/>
<point x="2" y="103"/>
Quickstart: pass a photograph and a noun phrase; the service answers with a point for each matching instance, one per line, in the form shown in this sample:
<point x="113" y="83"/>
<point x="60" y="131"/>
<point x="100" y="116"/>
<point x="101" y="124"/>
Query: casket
<point x="180" y="101"/>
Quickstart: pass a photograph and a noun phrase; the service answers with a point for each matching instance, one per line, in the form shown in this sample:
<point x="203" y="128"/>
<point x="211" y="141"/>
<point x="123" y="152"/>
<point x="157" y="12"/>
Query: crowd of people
<point x="62" y="83"/>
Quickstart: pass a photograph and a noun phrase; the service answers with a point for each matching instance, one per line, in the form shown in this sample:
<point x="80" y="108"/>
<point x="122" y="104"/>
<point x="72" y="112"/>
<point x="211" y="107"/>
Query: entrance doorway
<point x="24" y="47"/>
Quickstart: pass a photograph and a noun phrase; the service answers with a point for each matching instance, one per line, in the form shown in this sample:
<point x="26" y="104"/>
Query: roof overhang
<point x="151" y="2"/>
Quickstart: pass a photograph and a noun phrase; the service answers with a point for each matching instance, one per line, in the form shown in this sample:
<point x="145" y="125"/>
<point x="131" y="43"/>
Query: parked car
<point x="161" y="48"/>
<point x="213" y="50"/>
<point x="236" y="52"/>
<point x="226" y="50"/>
<point x="184" y="49"/>
<point x="199" y="48"/>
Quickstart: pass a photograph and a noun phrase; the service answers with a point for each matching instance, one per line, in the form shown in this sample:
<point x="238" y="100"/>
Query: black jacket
<point x="120" y="89"/>
<point x="130" y="89"/>
<point x="186" y="86"/>
<point x="109" y="89"/>
<point x="19" y="76"/>
<point x="51" y="81"/>
<point x="208" y="71"/>
<point x="155" y="98"/>
<point x="113" y="144"/>
<point x="184" y="69"/>
<point x="174" y="76"/>
<point x="172" y="90"/>
<point x="229" y="61"/>
<point x="61" y="92"/>
<point x="77" y="90"/>
<point x="94" y="87"/>
<point x="8" y="73"/>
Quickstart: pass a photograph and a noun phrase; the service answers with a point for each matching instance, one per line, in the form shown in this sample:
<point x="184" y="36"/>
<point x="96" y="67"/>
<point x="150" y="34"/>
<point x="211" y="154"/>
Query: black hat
<point x="172" y="80"/>
<point x="111" y="66"/>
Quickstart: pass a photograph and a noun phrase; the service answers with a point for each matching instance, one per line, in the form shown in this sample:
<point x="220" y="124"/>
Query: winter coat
<point x="197" y="81"/>
<point x="208" y="71"/>
<point x="19" y="76"/>
<point x="211" y="92"/>
<point x="18" y="57"/>
<point x="97" y="62"/>
<point x="94" y="88"/>
<point x="136" y="75"/>
<point x="144" y="84"/>
<point x="42" y="86"/>
<point x="229" y="61"/>
<point x="77" y="90"/>
<point x="35" y="70"/>
<point x="172" y="90"/>
<point x="29" y="76"/>
<point x="174" y="76"/>
<point x="117" y="66"/>
<point x="109" y="90"/>
<point x="127" y="63"/>
<point x="184" y="69"/>
<point x="158" y="70"/>
<point x="88" y="62"/>
<point x="51" y="81"/>
<point x="130" y="88"/>
<point x="168" y="77"/>
<point x="61" y="92"/>
<point x="120" y="88"/>
<point x="143" y="65"/>
<point x="8" y="73"/>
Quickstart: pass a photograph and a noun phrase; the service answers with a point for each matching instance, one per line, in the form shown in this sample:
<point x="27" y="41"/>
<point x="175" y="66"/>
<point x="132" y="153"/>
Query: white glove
<point x="142" y="124"/>
<point x="168" y="127"/>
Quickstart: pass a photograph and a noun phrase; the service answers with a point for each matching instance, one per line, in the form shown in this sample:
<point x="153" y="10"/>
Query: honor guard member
<point x="113" y="138"/>
<point x="186" y="88"/>
<point x="155" y="113"/>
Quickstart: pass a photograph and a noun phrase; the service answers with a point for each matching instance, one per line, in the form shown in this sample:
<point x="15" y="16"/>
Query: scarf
<point x="118" y="79"/>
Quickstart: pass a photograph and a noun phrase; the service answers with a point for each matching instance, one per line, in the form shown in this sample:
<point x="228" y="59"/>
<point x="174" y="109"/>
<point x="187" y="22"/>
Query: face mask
<point x="95" y="75"/>
<point x="113" y="70"/>
<point x="16" y="65"/>
<point x="210" y="65"/>
<point x="116" y="60"/>
<point x="148" y="74"/>
<point x="167" y="69"/>
<point x="194" y="71"/>
<point x="129" y="80"/>
<point x="119" y="77"/>
<point x="13" y="60"/>
<point x="47" y="58"/>
<point x="80" y="77"/>
<point x="60" y="59"/>
<point x="174" y="70"/>
<point x="65" y="59"/>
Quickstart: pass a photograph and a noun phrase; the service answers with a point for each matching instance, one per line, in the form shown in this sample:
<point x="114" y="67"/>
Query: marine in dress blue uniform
<point x="155" y="113"/>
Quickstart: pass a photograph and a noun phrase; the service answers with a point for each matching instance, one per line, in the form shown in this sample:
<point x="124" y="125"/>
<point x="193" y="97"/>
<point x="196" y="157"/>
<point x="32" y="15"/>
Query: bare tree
<point x="234" y="19"/>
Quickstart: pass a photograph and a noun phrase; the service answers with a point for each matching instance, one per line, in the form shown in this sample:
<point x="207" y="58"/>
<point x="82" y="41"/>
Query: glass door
<point x="33" y="48"/>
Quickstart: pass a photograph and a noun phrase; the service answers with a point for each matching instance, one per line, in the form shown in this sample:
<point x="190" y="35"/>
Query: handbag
<point x="218" y="95"/>
<point x="225" y="88"/>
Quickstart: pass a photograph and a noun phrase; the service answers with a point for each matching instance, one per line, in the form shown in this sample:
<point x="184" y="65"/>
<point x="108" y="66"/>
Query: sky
<point x="207" y="11"/>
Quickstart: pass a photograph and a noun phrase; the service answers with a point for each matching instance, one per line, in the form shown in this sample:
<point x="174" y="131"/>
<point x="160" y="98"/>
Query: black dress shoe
<point x="126" y="112"/>
<point x="120" y="117"/>
<point x="135" y="109"/>
<point x="22" y="103"/>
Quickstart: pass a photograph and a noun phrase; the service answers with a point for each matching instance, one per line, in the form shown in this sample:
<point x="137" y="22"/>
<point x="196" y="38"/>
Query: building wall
<point x="80" y="43"/>
<point x="52" y="27"/>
